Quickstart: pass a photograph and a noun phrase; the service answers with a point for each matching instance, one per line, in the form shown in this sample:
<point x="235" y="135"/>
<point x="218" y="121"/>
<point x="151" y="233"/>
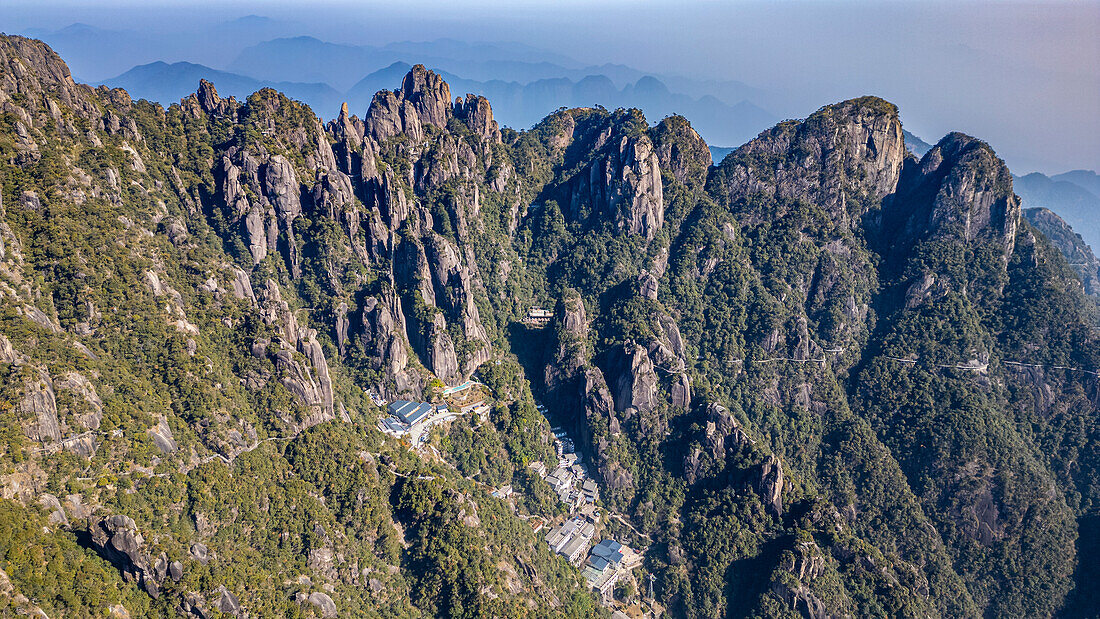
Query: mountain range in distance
<point x="168" y="83"/>
<point x="525" y="83"/>
<point x="519" y="104"/>
<point x="1074" y="195"/>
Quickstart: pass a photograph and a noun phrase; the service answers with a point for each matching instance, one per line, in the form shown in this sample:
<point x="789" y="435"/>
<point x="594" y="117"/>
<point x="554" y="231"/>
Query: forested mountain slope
<point x="821" y="378"/>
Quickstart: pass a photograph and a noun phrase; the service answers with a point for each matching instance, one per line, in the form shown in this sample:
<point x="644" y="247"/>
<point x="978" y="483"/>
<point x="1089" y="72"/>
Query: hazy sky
<point x="1023" y="76"/>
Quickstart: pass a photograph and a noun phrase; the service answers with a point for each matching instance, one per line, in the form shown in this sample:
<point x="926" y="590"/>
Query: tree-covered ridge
<point x="821" y="378"/>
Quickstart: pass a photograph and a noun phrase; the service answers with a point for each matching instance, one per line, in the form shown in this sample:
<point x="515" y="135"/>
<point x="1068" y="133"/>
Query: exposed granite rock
<point x="959" y="190"/>
<point x="323" y="603"/>
<point x="428" y="94"/>
<point x="242" y="286"/>
<point x="846" y="157"/>
<point x="571" y="353"/>
<point x="622" y="182"/>
<point x="8" y="354"/>
<point x="342" y="328"/>
<point x="40" y="405"/>
<point x="633" y="382"/>
<point x="117" y="539"/>
<point x="227" y="602"/>
<point x="723" y="436"/>
<point x="51" y="504"/>
<point x="200" y="552"/>
<point x="476" y="112"/>
<point x="771" y="485"/>
<point x="84" y="389"/>
<point x="424" y="99"/>
<point x="35" y="69"/>
<point x="162" y="436"/>
<point x="381" y="324"/>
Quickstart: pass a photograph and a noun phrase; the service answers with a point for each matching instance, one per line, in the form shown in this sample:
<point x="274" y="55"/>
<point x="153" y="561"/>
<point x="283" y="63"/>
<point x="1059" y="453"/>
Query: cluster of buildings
<point x="606" y="562"/>
<point x="573" y="486"/>
<point x="404" y="415"/>
<point x="413" y="419"/>
<point x="538" y="317"/>
<point x="572" y="538"/>
<point x="601" y="570"/>
<point x="570" y="480"/>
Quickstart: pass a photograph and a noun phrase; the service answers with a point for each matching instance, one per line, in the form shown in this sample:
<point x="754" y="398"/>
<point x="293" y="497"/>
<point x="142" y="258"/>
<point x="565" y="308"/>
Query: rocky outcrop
<point x="82" y="388"/>
<point x="622" y="181"/>
<point x="633" y="381"/>
<point x="299" y="360"/>
<point x="475" y="111"/>
<point x="681" y="151"/>
<point x="599" y="412"/>
<point x="770" y="485"/>
<point x="845" y="157"/>
<point x="382" y="335"/>
<point x="959" y="190"/>
<point x="321" y="601"/>
<point x="798" y="567"/>
<point x="209" y="101"/>
<point x="424" y="99"/>
<point x="722" y="437"/>
<point x="227" y="602"/>
<point x="436" y="348"/>
<point x="117" y="539"/>
<point x="39" y="404"/>
<point x="274" y="205"/>
<point x="571" y="353"/>
<point x="33" y="69"/>
<point x="162" y="436"/>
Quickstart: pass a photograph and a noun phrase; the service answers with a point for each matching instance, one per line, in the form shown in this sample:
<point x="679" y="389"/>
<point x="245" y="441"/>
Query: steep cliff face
<point x="961" y="191"/>
<point x="681" y="151"/>
<point x="612" y="172"/>
<point x="845" y="158"/>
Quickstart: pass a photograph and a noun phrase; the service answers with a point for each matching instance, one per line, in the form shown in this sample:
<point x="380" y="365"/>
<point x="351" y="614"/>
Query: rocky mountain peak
<point x="429" y="95"/>
<point x="846" y="157"/>
<point x="476" y="112"/>
<point x="959" y="189"/>
<point x="208" y="96"/>
<point x="682" y="150"/>
<point x="618" y="173"/>
<point x="30" y="67"/>
<point x="424" y="99"/>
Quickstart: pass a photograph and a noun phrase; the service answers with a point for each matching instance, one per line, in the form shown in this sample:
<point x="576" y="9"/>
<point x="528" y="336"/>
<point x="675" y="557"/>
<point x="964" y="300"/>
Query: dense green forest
<point x="818" y="378"/>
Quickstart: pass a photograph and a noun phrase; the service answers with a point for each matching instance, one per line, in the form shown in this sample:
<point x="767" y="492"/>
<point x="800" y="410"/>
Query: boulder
<point x="323" y="603"/>
<point x="117" y="539"/>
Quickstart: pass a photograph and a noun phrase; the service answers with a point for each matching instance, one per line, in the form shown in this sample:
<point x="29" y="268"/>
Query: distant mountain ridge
<point x="915" y="144"/>
<point x="1086" y="179"/>
<point x="168" y="83"/>
<point x="518" y="104"/>
<point x="1078" y="206"/>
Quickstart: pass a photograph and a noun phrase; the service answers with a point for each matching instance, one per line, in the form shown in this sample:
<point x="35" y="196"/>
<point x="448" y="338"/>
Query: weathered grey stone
<point x="324" y="603"/>
<point x="40" y="405"/>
